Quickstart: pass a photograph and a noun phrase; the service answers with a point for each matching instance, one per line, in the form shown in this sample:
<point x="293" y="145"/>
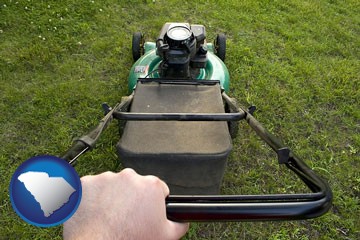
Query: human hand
<point x="122" y="205"/>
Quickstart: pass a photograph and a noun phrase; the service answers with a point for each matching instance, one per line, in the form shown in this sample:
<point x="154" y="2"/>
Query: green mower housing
<point x="147" y="62"/>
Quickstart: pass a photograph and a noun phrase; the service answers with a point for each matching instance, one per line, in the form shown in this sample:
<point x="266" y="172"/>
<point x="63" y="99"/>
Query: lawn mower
<point x="178" y="123"/>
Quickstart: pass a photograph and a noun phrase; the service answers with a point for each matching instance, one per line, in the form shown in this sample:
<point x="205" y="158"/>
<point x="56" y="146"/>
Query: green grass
<point x="297" y="61"/>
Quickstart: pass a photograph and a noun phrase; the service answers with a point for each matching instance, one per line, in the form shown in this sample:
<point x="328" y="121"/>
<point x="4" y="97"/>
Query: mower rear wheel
<point x="137" y="45"/>
<point x="220" y="46"/>
<point x="233" y="126"/>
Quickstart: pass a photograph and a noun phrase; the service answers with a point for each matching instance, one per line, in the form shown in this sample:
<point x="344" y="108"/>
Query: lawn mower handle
<point x="257" y="207"/>
<point x="228" y="211"/>
<point x="228" y="207"/>
<point x="88" y="141"/>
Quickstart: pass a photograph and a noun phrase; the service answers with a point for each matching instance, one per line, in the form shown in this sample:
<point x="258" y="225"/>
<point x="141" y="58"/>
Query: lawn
<point x="297" y="61"/>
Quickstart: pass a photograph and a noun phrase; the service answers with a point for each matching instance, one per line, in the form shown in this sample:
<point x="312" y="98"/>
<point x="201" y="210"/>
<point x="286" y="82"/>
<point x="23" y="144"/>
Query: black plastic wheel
<point x="232" y="125"/>
<point x="220" y="46"/>
<point x="137" y="45"/>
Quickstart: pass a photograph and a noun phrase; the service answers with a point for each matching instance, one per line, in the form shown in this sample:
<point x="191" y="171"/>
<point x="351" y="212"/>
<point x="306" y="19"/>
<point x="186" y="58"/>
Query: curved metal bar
<point x="257" y="207"/>
<point x="254" y="207"/>
<point x="229" y="207"/>
<point x="260" y="211"/>
<point x="179" y="116"/>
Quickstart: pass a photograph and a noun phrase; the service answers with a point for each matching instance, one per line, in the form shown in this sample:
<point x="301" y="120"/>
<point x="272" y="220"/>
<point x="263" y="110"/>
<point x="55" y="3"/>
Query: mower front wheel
<point x="220" y="46"/>
<point x="137" y="45"/>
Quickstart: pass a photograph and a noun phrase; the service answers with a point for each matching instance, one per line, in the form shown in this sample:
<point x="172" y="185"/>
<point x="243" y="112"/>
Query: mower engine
<point x="183" y="50"/>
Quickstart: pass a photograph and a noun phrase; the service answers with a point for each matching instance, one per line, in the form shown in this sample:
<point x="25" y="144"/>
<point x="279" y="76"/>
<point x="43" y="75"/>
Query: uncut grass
<point x="297" y="61"/>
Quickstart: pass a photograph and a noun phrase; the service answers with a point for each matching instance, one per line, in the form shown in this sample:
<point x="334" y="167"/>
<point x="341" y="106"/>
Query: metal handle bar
<point x="257" y="207"/>
<point x="229" y="207"/>
<point x="261" y="211"/>
<point x="178" y="116"/>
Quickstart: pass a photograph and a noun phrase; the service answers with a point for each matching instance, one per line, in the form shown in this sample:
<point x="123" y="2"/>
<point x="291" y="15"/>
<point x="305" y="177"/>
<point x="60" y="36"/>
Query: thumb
<point x="176" y="230"/>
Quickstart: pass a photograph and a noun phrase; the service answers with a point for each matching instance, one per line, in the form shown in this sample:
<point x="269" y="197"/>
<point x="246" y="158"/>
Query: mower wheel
<point x="220" y="46"/>
<point x="233" y="126"/>
<point x="137" y="45"/>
